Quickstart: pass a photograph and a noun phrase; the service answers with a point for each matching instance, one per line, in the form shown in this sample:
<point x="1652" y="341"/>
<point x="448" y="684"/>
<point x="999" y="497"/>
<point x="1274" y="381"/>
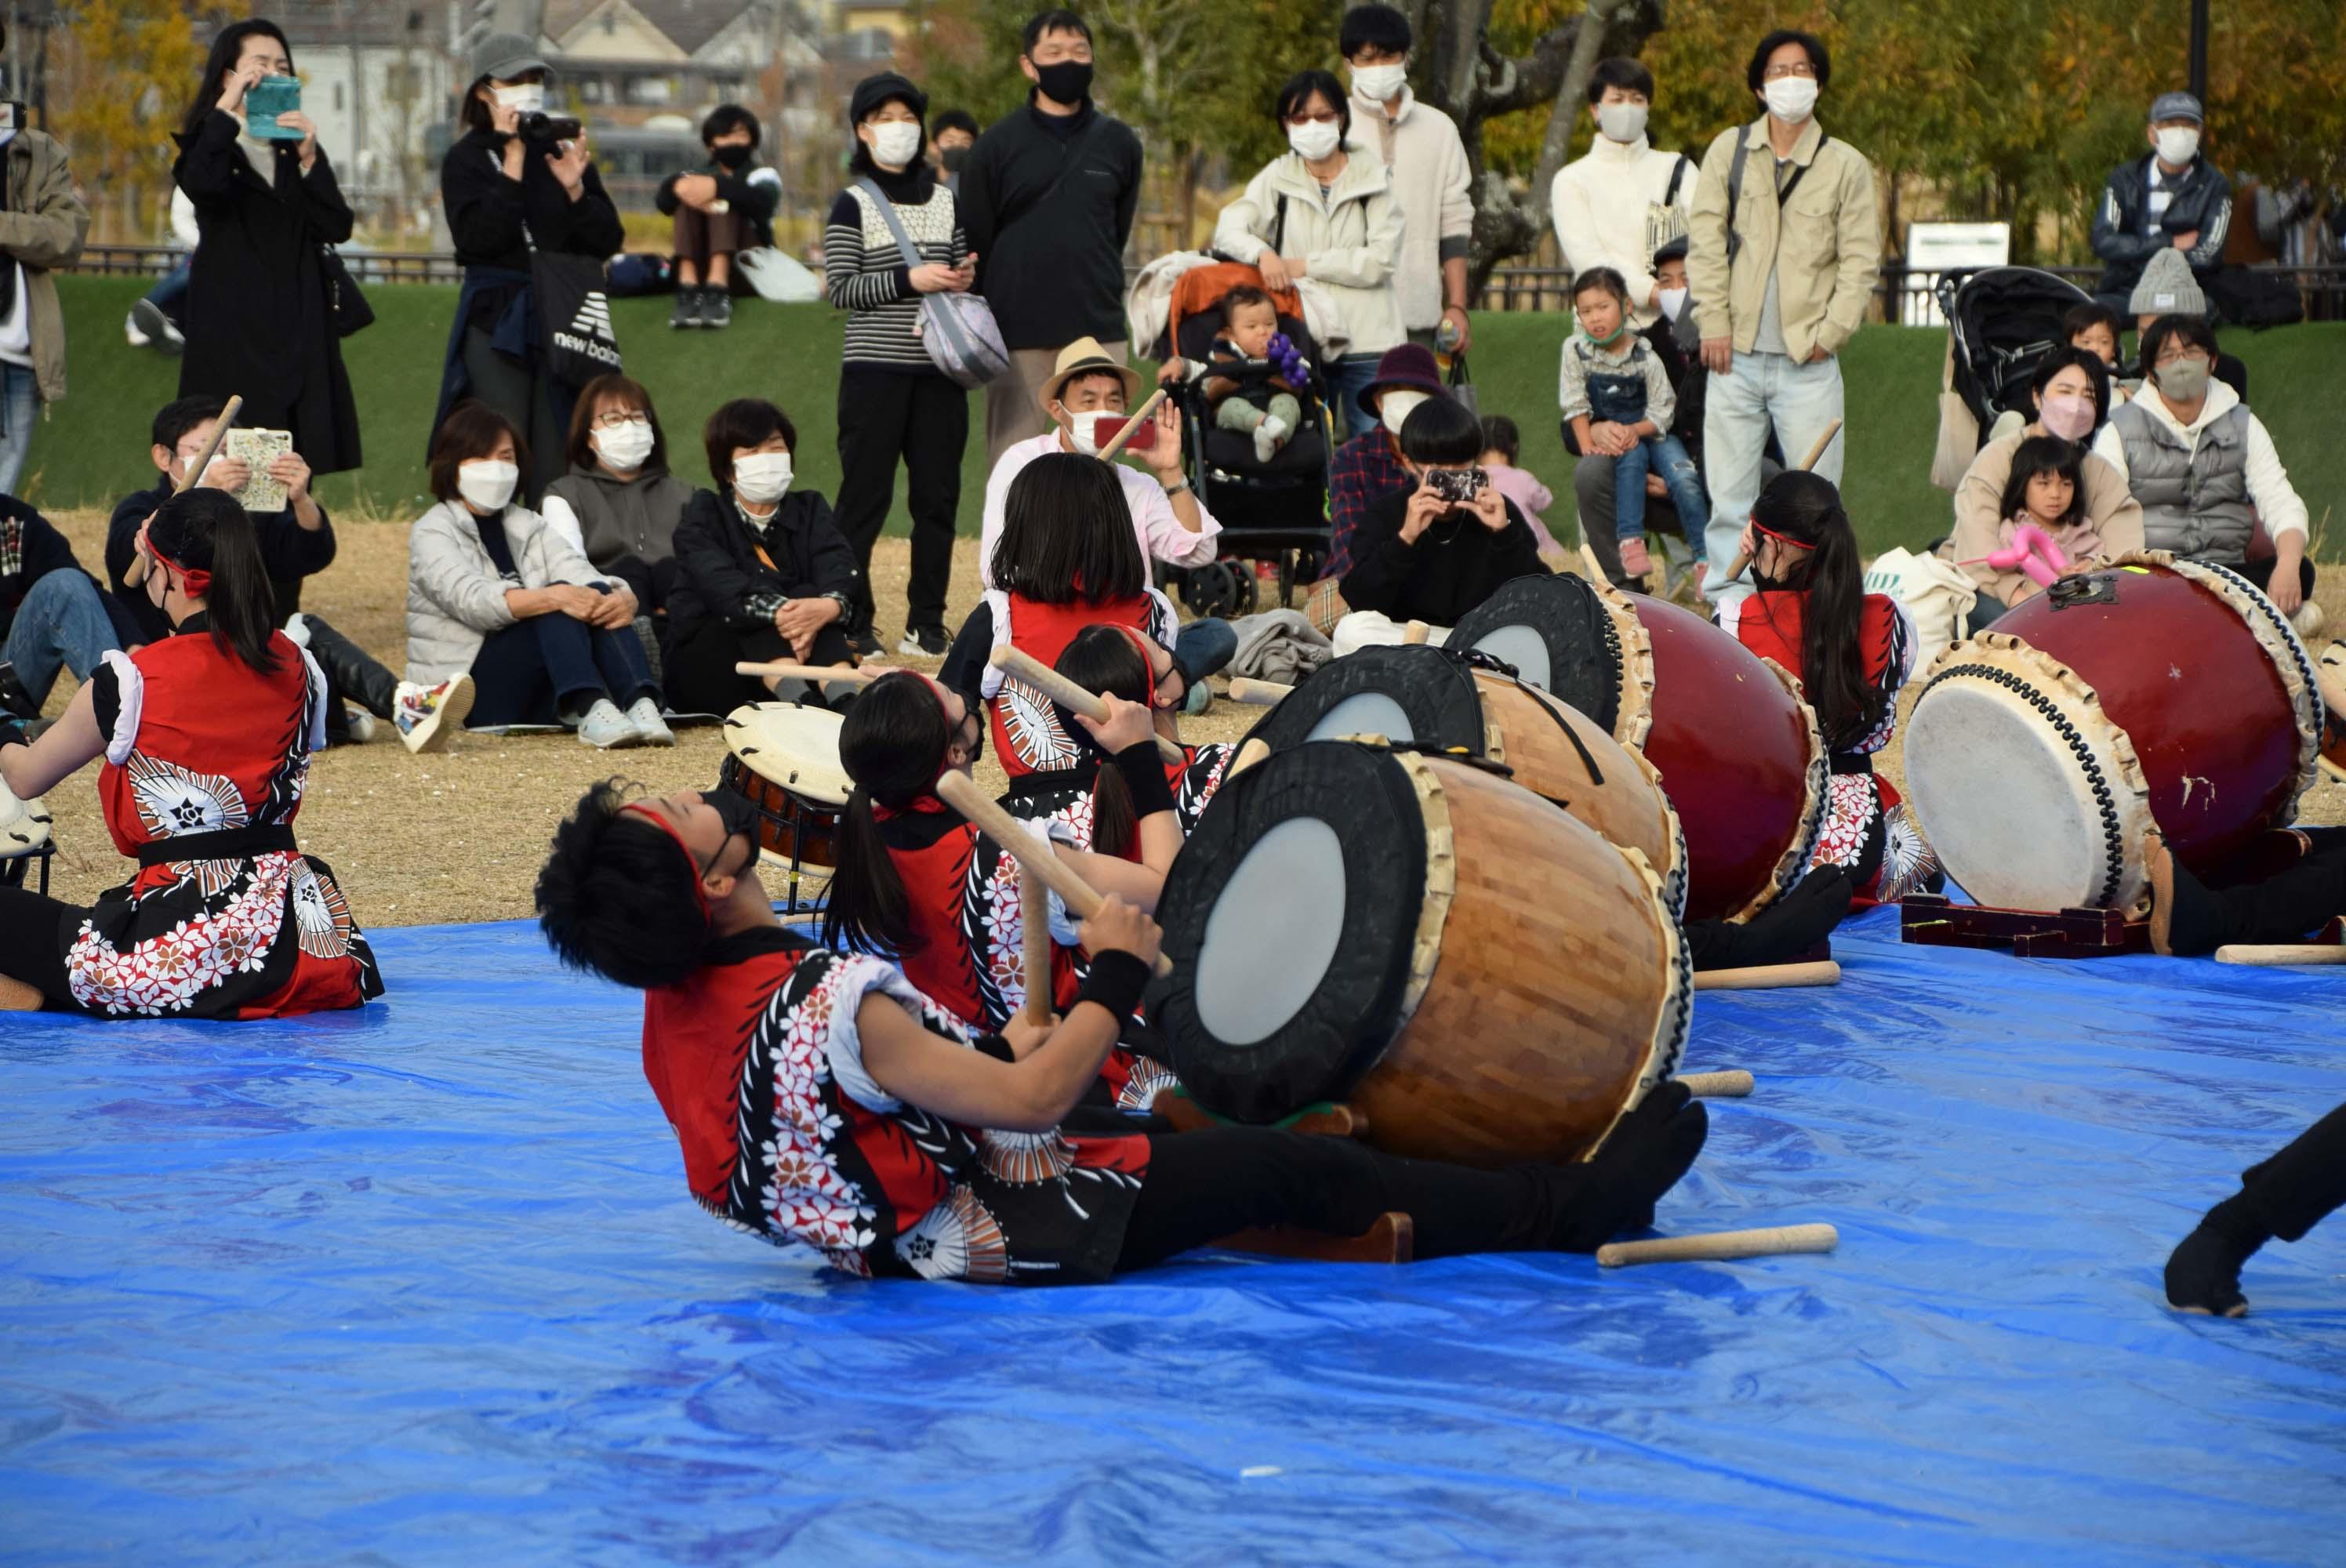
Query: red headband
<point x="196" y="583"/>
<point x="690" y="860"/>
<point x="1781" y="538"/>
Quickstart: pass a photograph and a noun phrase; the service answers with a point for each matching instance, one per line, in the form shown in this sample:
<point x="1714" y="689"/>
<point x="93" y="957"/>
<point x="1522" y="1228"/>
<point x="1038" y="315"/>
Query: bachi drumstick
<point x="1035" y="930"/>
<point x="1035" y="858"/>
<point x="1415" y="633"/>
<point x="1720" y="1246"/>
<point x="1731" y="1085"/>
<point x="2281" y="954"/>
<point x="1066" y="693"/>
<point x="1251" y="751"/>
<point x="1744" y="557"/>
<point x="824" y="673"/>
<point x="135" y="573"/>
<point x="1260" y="693"/>
<point x="1769" y="977"/>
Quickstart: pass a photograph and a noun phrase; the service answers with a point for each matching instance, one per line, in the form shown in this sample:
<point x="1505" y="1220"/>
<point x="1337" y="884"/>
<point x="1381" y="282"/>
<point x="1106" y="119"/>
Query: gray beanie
<point x="2167" y="288"/>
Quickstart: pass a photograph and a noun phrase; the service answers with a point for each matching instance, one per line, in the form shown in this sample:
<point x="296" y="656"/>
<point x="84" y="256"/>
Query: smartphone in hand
<point x="1456" y="485"/>
<point x="270" y="97"/>
<point x="1106" y="426"/>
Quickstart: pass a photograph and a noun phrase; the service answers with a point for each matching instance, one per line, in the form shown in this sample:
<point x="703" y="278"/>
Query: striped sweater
<point x="866" y="274"/>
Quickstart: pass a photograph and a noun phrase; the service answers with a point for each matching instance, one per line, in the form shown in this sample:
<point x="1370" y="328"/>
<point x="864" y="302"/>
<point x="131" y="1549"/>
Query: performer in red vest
<point x="818" y="1097"/>
<point x="1852" y="651"/>
<point x="207" y="738"/>
<point x="1129" y="664"/>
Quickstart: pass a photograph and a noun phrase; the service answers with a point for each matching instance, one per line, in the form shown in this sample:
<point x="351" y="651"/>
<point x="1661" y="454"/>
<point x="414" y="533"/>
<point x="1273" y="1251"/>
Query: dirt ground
<point x="459" y="836"/>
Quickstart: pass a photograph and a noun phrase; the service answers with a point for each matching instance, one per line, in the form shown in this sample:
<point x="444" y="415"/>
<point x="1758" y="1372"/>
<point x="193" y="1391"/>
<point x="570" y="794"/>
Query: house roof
<point x="689" y="24"/>
<point x="331" y="23"/>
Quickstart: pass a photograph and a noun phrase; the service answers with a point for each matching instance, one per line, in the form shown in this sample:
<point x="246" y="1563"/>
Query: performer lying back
<point x="820" y="1099"/>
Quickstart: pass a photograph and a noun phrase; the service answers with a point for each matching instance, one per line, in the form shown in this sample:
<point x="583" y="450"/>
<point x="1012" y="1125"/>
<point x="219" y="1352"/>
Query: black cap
<point x="1672" y="250"/>
<point x="873" y="91"/>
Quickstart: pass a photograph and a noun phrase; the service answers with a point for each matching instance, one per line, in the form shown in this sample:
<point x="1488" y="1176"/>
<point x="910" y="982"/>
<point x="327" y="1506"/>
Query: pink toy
<point x="2032" y="550"/>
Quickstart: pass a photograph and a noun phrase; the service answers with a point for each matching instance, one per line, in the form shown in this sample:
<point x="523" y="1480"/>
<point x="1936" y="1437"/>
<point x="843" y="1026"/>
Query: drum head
<point x="1557" y="633"/>
<point x="24" y="825"/>
<point x="1409" y="693"/>
<point x="793" y="747"/>
<point x="1290" y="918"/>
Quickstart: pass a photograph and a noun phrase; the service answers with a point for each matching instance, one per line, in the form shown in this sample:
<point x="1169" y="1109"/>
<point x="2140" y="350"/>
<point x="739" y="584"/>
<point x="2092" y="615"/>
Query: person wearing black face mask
<point x="952" y="135"/>
<point x="1047" y="200"/>
<point x="723" y="207"/>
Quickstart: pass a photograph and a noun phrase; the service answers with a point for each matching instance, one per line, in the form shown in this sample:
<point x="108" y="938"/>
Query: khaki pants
<point x="1013" y="410"/>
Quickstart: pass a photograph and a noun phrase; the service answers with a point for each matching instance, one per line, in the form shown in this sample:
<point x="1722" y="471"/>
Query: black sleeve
<point x="976" y="197"/>
<point x="703" y="561"/>
<point x="128" y="632"/>
<point x="1127" y="203"/>
<point x="755" y="200"/>
<point x="290" y="550"/>
<point x="666" y="199"/>
<point x="321" y="200"/>
<point x="1381" y="564"/>
<point x="831" y="556"/>
<point x="588" y="227"/>
<point x="485" y="210"/>
<point x="122" y="535"/>
<point x="1518" y="554"/>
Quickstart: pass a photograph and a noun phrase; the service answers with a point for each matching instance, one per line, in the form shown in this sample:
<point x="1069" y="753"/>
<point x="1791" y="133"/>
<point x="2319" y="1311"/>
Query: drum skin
<point x="785" y="759"/>
<point x="1740" y="757"/>
<point x="2213" y="725"/>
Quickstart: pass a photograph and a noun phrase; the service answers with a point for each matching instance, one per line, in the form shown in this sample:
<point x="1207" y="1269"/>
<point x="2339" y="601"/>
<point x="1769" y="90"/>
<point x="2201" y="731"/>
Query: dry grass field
<point x="459" y="836"/>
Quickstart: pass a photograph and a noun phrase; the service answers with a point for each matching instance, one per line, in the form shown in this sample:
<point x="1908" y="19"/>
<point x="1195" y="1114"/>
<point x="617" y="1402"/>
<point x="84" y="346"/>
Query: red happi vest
<point x="963" y="892"/>
<point x="1027" y="735"/>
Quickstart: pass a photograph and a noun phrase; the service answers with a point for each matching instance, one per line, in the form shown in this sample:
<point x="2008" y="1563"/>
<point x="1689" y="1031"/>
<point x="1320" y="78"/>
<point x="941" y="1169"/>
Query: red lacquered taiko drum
<point x="1736" y="748"/>
<point x="2156" y="691"/>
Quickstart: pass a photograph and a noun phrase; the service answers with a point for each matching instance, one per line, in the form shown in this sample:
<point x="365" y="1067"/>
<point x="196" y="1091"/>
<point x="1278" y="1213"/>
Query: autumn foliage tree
<point x="119" y="83"/>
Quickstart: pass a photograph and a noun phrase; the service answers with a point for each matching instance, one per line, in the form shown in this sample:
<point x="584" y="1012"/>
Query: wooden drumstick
<point x="824" y="673"/>
<point x="1732" y="1085"/>
<point x="1261" y="693"/>
<point x="2281" y="954"/>
<point x="135" y="573"/>
<point x="1744" y="557"/>
<point x="1035" y="858"/>
<point x="1415" y="633"/>
<point x="1768" y="977"/>
<point x="1035" y="928"/>
<point x="1251" y="751"/>
<point x="1719" y="1246"/>
<point x="1066" y="693"/>
<point x="1132" y="426"/>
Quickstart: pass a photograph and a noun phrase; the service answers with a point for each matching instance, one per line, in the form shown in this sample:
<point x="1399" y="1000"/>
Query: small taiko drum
<point x="1737" y="748"/>
<point x="1485" y="979"/>
<point x="2153" y="692"/>
<point x="1463" y="704"/>
<point x="785" y="759"/>
<point x="2330" y="673"/>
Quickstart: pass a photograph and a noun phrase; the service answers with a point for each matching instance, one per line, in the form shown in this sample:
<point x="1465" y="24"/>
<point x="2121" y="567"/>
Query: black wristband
<point x="993" y="1046"/>
<point x="11" y="732"/>
<point x="1143" y="775"/>
<point x="1116" y="982"/>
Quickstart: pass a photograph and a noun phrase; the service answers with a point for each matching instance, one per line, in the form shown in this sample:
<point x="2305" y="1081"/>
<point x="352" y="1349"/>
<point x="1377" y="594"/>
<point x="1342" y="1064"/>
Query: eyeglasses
<point x="2172" y="352"/>
<point x="612" y="419"/>
<point x="1797" y="69"/>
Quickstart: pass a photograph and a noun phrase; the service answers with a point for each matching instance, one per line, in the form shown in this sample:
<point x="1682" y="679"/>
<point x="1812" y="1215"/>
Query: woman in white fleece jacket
<point x="1615" y="207"/>
<point x="1329" y="206"/>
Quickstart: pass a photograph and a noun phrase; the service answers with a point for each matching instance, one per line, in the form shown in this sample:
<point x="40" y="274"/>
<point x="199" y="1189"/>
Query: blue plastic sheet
<point x="423" y="1284"/>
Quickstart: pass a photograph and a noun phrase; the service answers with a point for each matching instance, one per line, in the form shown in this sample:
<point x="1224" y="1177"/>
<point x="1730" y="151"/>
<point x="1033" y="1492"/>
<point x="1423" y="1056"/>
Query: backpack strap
<point x="904" y="246"/>
<point x="1735" y="190"/>
<point x="1677" y="175"/>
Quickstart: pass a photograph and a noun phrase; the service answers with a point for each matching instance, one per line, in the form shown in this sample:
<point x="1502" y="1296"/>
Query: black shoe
<point x="716" y="308"/>
<point x="924" y="642"/>
<point x="863" y="645"/>
<point x="688" y="307"/>
<point x="16" y="702"/>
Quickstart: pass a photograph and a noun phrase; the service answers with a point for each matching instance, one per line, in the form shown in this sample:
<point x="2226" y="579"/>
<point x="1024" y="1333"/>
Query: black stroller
<point x="2002" y="323"/>
<point x="1275" y="511"/>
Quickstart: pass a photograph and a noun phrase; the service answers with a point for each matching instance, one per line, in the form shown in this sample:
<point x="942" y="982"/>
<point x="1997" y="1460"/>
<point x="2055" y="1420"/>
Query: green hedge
<point x="92" y="447"/>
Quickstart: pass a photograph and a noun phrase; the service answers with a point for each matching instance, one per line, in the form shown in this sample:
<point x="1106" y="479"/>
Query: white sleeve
<point x="2110" y="447"/>
<point x="1162" y="537"/>
<point x="992" y="515"/>
<point x="997" y="604"/>
<point x="2276" y="499"/>
<point x="318" y="694"/>
<point x="130" y="689"/>
<point x="1062" y="922"/>
<point x="837" y="995"/>
<point x="564" y="521"/>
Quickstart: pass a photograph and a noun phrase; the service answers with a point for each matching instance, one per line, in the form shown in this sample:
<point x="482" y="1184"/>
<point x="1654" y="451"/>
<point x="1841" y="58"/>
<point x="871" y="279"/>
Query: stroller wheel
<point x="1219" y="589"/>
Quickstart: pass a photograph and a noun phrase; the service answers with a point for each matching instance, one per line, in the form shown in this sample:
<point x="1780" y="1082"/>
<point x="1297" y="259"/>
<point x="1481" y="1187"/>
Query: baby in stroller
<point x="1255" y="375"/>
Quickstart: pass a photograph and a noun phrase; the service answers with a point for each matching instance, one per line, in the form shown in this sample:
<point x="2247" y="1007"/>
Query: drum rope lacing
<point x="1475" y="658"/>
<point x="2113" y="837"/>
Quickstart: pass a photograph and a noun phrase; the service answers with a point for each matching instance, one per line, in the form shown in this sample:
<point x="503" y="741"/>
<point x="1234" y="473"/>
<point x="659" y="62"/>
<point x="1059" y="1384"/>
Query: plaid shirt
<point x="12" y="546"/>
<point x="1366" y="469"/>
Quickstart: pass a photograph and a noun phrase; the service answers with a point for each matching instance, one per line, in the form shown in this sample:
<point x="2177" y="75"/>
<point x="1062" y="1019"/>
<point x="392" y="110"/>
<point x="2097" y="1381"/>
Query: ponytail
<point x="1805" y="508"/>
<point x="1103" y="658"/>
<point x="867" y="909"/>
<point x="893" y="745"/>
<point x="203" y="530"/>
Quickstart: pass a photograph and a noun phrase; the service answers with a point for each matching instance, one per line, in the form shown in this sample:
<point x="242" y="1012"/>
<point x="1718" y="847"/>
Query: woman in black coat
<point x="260" y="313"/>
<point x="503" y="193"/>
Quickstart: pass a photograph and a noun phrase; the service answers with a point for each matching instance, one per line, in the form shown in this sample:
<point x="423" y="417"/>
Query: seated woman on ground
<point x="205" y="737"/>
<point x="764" y="575"/>
<point x="1435" y="552"/>
<point x="618" y="506"/>
<point x="820" y="1097"/>
<point x="2071" y="395"/>
<point x="491" y="590"/>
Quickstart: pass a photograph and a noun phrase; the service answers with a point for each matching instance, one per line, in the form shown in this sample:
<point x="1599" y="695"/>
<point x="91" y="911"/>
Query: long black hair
<point x="226" y="46"/>
<point x="1066" y="533"/>
<point x="617" y="898"/>
<point x="1105" y="658"/>
<point x="2045" y="454"/>
<point x="893" y="746"/>
<point x="204" y="530"/>
<point x="1805" y="508"/>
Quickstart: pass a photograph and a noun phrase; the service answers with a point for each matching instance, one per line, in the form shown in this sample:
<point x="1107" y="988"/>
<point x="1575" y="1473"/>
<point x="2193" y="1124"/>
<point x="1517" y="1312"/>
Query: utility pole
<point x="2199" y="51"/>
<point x="358" y="99"/>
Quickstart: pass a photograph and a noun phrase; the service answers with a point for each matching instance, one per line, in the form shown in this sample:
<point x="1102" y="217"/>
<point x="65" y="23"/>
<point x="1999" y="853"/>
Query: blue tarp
<point x="424" y="1283"/>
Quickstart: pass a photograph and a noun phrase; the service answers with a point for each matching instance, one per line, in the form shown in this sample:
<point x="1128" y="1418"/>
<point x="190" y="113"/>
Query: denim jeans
<point x="169" y="290"/>
<point x="20" y="405"/>
<point x="1757" y="392"/>
<point x="1346" y="378"/>
<point x="554" y="666"/>
<point x="1203" y="647"/>
<point x="1667" y="455"/>
<point x="61" y="624"/>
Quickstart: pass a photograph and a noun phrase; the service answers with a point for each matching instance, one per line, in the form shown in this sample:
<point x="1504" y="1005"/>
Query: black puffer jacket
<point x="725" y="573"/>
<point x="2202" y="201"/>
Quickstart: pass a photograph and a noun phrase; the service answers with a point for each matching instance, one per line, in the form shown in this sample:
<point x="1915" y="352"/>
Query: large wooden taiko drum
<point x="1736" y="748"/>
<point x="2157" y="690"/>
<point x="1484" y="978"/>
<point x="1453" y="701"/>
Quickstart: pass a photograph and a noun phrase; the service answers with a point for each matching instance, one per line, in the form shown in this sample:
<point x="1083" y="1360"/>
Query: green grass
<point x="92" y="448"/>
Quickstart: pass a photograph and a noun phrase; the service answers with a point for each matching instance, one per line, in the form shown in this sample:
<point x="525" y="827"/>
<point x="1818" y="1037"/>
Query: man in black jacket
<point x="2168" y="198"/>
<point x="53" y="615"/>
<point x="1047" y="200"/>
<point x="720" y="210"/>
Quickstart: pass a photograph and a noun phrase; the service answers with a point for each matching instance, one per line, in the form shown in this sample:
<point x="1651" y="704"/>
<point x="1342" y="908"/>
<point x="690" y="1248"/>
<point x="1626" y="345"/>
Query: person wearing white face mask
<point x="506" y="196"/>
<point x="1431" y="177"/>
<point x="495" y="593"/>
<point x="1784" y="252"/>
<point x="2168" y="198"/>
<point x="1326" y="209"/>
<point x="618" y="505"/>
<point x="895" y="402"/>
<point x="1625" y="198"/>
<point x="764" y="572"/>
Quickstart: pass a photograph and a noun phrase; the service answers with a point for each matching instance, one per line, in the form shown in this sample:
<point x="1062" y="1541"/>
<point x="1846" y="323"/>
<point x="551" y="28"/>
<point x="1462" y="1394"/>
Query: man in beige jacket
<point x="1786" y="243"/>
<point x="42" y="225"/>
<point x="1431" y="178"/>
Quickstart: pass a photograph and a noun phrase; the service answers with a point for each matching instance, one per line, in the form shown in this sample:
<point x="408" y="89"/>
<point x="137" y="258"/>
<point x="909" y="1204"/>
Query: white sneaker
<point x="2307" y="618"/>
<point x="130" y="332"/>
<point x="428" y="714"/>
<point x="645" y="714"/>
<point x="361" y="725"/>
<point x="1266" y="437"/>
<point x="606" y="729"/>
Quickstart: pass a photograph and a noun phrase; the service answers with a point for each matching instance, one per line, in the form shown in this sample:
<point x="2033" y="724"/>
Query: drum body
<point x="1442" y="700"/>
<point x="2331" y="674"/>
<point x="785" y="759"/>
<point x="2155" y="692"/>
<point x="1737" y="748"/>
<point x="1485" y="978"/>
